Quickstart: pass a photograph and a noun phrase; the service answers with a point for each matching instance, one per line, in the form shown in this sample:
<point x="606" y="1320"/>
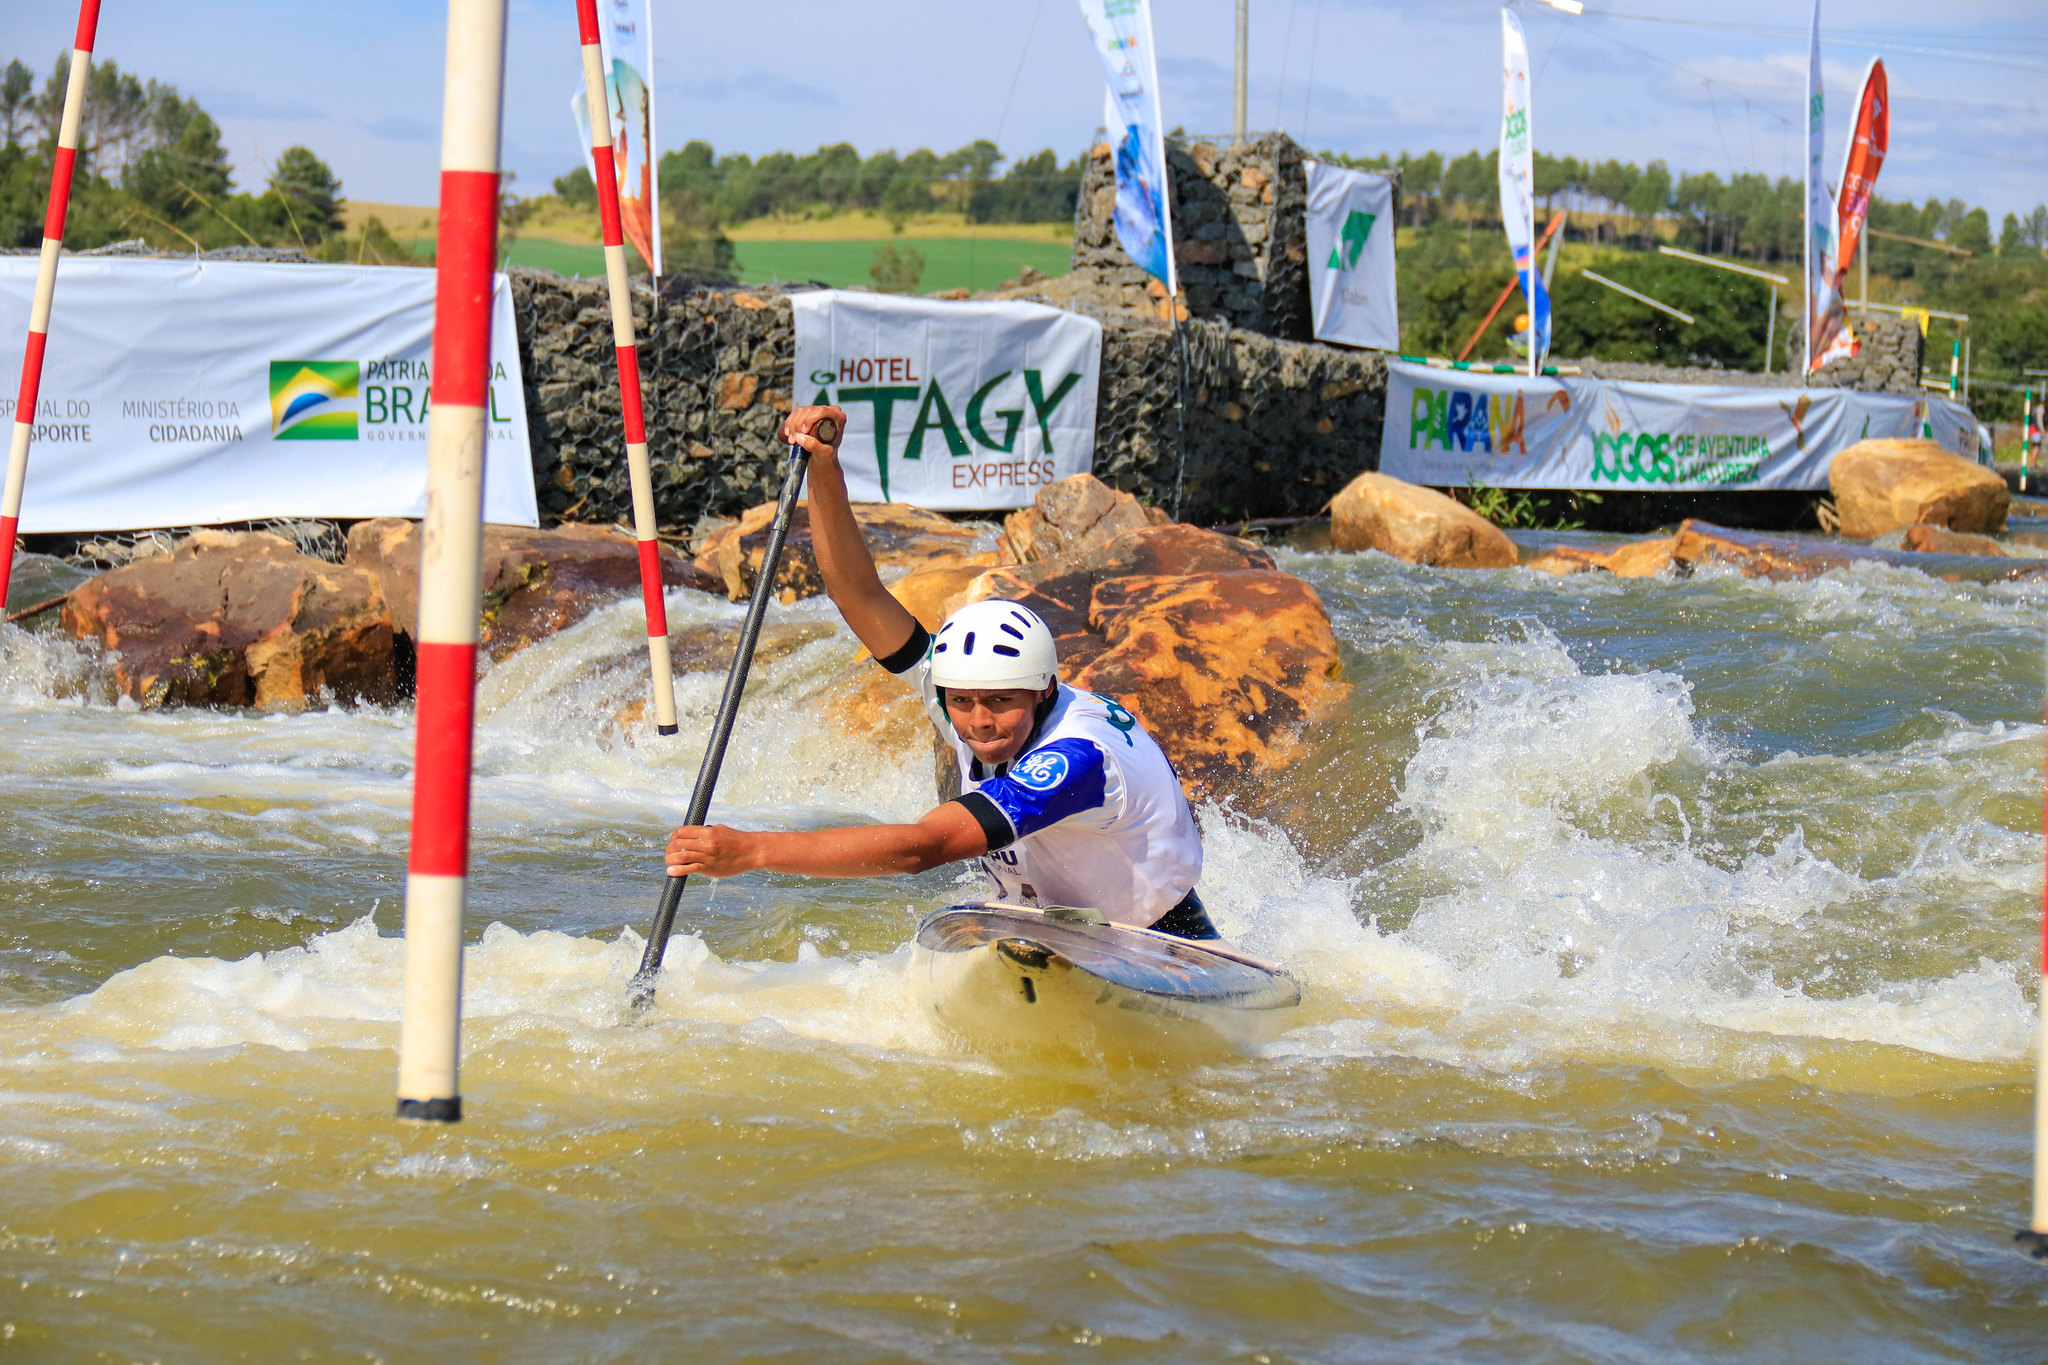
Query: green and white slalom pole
<point x="604" y="169"/>
<point x="451" y="563"/>
<point x="2033" y="1238"/>
<point x="46" y="288"/>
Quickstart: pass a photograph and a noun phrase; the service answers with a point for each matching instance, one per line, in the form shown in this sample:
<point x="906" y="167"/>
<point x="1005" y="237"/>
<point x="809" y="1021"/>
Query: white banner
<point x="1448" y="428"/>
<point x="1122" y="31"/>
<point x="186" y="393"/>
<point x="1518" y="177"/>
<point x="1351" y="257"/>
<point x="951" y="405"/>
<point x="626" y="35"/>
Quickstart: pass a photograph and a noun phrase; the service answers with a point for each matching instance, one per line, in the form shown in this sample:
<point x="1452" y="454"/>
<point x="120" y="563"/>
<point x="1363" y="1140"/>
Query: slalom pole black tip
<point x="666" y="729"/>
<point x="447" y="1110"/>
<point x="2035" y="1244"/>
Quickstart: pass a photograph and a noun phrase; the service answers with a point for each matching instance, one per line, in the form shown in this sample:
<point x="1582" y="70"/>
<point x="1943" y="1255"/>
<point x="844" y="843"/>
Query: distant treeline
<point x="697" y="183"/>
<point x="151" y="166"/>
<point x="1750" y="215"/>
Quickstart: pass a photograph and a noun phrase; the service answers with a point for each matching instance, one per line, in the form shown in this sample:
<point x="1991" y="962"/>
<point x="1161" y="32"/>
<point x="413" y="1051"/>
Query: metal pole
<point x="1243" y="35"/>
<point x="25" y="401"/>
<point x="640" y="993"/>
<point x="1966" y="367"/>
<point x="1863" y="272"/>
<point x="638" y="469"/>
<point x="451" y="563"/>
<point x="1771" y="330"/>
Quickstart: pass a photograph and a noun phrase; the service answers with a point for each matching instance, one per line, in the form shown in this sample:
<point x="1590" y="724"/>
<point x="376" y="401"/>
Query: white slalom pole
<point x="451" y="563"/>
<point x="638" y="469"/>
<point x="46" y="288"/>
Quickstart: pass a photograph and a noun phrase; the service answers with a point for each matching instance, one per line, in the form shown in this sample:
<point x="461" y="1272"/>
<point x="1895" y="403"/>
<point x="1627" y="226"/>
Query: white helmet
<point x="991" y="644"/>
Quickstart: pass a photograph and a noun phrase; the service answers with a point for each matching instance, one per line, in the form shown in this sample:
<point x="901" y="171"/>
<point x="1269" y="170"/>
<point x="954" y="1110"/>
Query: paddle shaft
<point x="728" y="709"/>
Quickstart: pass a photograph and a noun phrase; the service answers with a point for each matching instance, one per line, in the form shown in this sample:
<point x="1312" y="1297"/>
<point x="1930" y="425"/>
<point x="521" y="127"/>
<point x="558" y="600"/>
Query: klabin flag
<point x="1122" y="31"/>
<point x="1517" y="177"/>
<point x="626" y="33"/>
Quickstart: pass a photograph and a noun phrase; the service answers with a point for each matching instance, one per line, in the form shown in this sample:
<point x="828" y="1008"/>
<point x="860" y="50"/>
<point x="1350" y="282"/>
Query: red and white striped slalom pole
<point x="46" y="289"/>
<point x="451" y="563"/>
<point x="605" y="169"/>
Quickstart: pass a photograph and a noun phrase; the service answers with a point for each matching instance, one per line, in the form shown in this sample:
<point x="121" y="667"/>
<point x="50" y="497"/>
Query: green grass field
<point x="949" y="262"/>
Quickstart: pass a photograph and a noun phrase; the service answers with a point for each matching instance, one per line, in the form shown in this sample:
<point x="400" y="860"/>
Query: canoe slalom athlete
<point x="1064" y="797"/>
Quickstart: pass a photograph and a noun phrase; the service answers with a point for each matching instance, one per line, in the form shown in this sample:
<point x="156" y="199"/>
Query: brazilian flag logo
<point x="314" y="400"/>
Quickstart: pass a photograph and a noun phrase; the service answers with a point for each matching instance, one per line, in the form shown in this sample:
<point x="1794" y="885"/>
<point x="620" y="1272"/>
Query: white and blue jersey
<point x="1089" y="814"/>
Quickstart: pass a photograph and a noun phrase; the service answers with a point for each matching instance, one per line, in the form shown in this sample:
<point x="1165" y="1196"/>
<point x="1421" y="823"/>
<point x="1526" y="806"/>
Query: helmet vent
<point x="1012" y="631"/>
<point x="1008" y="651"/>
<point x="968" y="647"/>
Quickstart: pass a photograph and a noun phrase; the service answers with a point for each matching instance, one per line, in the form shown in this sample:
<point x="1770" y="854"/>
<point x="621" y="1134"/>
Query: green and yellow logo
<point x="1351" y="240"/>
<point x="313" y="400"/>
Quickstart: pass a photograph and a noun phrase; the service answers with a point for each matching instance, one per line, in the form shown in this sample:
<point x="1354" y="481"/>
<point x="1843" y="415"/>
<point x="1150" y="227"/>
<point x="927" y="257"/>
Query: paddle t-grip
<point x="827" y="430"/>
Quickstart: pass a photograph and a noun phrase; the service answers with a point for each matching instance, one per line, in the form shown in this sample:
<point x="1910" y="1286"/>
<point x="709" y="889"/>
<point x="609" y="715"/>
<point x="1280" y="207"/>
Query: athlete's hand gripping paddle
<point x="642" y="988"/>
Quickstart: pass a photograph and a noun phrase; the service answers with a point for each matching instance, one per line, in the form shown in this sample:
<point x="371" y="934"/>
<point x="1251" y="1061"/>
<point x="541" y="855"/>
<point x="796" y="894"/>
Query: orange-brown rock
<point x="239" y="619"/>
<point x="1225" y="659"/>
<point x="1226" y="670"/>
<point x="1942" y="541"/>
<point x="897" y="534"/>
<point x="1073" y="516"/>
<point x="1700" y="544"/>
<point x="1882" y="485"/>
<point x="1420" y="525"/>
<point x="1642" y="558"/>
<point x="1567" y="559"/>
<point x="1638" y="559"/>
<point x="933" y="593"/>
<point x="534" y="582"/>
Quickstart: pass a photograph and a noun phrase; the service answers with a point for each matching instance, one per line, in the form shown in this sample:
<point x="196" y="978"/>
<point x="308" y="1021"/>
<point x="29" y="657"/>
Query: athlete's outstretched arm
<point x="880" y="621"/>
<point x="946" y="835"/>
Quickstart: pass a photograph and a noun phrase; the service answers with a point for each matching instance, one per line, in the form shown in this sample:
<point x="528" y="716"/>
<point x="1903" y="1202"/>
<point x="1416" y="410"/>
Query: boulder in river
<point x="1078" y="514"/>
<point x="534" y="582"/>
<point x="1881" y="485"/>
<point x="1942" y="541"/>
<point x="1226" y="659"/>
<point x="1700" y="544"/>
<point x="1420" y="525"/>
<point x="1637" y="559"/>
<point x="897" y="534"/>
<point x="239" y="619"/>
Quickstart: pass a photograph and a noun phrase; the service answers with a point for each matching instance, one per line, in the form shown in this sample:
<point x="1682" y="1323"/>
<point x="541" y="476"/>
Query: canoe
<point x="1019" y="977"/>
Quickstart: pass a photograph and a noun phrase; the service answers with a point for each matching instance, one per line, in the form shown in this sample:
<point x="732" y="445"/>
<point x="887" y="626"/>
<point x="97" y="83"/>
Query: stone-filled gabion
<point x="1272" y="428"/>
<point x="1889" y="358"/>
<point x="1241" y="243"/>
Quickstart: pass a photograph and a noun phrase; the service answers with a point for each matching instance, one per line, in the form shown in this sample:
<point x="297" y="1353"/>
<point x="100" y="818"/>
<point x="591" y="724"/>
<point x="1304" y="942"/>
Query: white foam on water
<point x="1560" y="906"/>
<point x="343" y="990"/>
<point x="1557" y="895"/>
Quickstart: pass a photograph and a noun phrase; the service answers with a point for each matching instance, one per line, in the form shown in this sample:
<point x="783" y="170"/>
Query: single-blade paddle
<point x="641" y="992"/>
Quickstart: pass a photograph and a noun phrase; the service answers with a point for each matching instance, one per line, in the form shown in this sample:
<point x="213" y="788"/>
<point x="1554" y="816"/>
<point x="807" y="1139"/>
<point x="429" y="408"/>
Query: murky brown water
<point x="1669" y="951"/>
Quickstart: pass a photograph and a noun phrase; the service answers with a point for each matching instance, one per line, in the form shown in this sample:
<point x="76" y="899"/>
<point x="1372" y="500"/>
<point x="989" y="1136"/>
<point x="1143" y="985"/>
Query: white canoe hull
<point x="1006" y="978"/>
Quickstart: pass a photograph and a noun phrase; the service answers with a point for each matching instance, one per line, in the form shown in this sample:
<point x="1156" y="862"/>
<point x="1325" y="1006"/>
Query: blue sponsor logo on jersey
<point x="1041" y="771"/>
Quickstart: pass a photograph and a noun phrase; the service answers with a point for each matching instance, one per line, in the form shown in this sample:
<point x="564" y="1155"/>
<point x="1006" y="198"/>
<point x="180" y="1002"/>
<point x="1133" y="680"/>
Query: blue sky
<point x="1705" y="87"/>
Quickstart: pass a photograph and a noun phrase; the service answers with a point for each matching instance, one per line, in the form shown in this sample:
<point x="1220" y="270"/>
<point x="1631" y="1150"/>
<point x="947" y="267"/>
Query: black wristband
<point x="911" y="652"/>
<point x="994" y="824"/>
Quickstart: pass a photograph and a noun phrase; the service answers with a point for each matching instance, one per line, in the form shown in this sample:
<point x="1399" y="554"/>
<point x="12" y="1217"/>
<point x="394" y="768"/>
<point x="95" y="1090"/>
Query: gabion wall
<point x="1272" y="428"/>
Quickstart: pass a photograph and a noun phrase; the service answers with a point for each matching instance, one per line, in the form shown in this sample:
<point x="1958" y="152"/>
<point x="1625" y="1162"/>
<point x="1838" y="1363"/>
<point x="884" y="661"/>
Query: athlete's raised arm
<point x="880" y="621"/>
